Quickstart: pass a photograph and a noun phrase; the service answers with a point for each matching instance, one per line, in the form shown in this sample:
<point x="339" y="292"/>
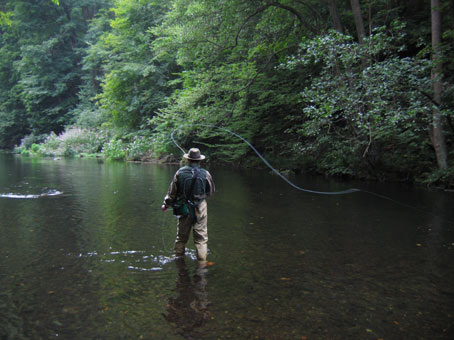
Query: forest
<point x="349" y="88"/>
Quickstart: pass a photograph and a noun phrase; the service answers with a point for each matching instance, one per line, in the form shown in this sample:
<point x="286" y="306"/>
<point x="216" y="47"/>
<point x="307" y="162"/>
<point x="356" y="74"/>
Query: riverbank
<point x="440" y="180"/>
<point x="142" y="146"/>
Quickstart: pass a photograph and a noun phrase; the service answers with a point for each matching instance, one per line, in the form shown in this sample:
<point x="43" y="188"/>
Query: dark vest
<point x="192" y="184"/>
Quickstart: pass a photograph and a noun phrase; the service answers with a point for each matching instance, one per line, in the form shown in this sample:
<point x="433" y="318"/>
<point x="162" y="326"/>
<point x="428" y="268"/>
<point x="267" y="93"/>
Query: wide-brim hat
<point x="194" y="155"/>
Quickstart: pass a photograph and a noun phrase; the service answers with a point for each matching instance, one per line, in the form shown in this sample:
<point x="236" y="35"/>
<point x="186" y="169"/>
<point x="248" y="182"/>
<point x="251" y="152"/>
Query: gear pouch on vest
<point x="180" y="208"/>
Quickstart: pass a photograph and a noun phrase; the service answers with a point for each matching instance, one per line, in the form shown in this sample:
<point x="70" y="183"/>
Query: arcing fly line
<point x="348" y="191"/>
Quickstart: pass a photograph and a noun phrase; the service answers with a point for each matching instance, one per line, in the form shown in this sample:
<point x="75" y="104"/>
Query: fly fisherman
<point x="186" y="195"/>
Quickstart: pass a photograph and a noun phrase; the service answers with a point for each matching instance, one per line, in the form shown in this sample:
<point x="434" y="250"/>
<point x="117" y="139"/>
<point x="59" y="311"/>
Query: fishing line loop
<point x="347" y="191"/>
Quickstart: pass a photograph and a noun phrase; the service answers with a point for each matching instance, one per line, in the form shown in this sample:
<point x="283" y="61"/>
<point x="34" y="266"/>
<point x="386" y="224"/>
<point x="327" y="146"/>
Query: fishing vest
<point x="194" y="178"/>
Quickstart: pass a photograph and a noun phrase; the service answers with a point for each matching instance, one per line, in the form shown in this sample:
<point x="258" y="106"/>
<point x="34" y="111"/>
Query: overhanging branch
<point x="278" y="5"/>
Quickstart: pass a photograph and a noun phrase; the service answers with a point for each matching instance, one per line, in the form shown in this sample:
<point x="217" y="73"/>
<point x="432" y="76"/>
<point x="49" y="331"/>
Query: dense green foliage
<point x="309" y="93"/>
<point x="40" y="53"/>
<point x="372" y="116"/>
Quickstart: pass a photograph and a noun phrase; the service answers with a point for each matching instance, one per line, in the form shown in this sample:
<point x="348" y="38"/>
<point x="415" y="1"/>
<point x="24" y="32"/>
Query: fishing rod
<point x="347" y="191"/>
<point x="343" y="192"/>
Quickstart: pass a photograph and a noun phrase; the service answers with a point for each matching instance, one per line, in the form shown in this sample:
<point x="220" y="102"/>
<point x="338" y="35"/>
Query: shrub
<point x="31" y="139"/>
<point x="362" y="120"/>
<point x="69" y="151"/>
<point x="441" y="178"/>
<point x="115" y="150"/>
<point x="30" y="142"/>
<point x="35" y="148"/>
<point x="18" y="149"/>
<point x="139" y="148"/>
<point x="74" y="141"/>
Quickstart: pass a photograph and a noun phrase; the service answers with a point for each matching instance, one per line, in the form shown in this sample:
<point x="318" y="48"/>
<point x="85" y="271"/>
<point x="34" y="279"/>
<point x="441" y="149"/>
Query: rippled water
<point x="86" y="253"/>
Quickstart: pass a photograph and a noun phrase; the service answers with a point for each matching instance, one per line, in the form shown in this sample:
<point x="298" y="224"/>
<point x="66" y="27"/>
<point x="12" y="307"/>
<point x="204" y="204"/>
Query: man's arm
<point x="171" y="195"/>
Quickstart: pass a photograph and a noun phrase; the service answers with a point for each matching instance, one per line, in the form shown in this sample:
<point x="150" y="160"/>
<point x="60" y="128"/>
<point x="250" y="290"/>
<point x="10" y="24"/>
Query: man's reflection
<point x="188" y="310"/>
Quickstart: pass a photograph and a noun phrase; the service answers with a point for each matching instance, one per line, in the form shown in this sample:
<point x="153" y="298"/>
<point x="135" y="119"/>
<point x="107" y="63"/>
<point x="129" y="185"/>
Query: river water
<point x="86" y="253"/>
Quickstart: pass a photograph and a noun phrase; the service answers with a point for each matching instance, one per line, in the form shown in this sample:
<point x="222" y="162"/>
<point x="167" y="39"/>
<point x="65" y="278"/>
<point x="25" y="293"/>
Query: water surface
<point x="86" y="253"/>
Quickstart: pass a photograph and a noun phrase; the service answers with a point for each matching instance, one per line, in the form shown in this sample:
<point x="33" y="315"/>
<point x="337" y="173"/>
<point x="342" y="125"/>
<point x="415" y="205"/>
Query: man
<point x="187" y="192"/>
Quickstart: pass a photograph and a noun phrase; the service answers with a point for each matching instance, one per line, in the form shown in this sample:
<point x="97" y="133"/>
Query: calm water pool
<point x="92" y="257"/>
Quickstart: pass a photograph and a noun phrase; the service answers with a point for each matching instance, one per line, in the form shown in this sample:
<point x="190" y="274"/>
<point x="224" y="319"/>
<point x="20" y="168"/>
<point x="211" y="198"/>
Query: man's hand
<point x="164" y="208"/>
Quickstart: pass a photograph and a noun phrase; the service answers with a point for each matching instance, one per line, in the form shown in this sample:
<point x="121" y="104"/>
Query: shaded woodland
<point x="360" y="89"/>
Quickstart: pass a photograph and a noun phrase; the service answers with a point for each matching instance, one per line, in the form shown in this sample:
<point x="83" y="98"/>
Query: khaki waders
<point x="199" y="229"/>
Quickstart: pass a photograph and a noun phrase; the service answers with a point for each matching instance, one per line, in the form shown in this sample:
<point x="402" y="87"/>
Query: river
<point x="86" y="253"/>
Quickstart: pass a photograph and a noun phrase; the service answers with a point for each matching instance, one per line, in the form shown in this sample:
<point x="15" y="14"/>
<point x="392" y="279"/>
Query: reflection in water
<point x="188" y="310"/>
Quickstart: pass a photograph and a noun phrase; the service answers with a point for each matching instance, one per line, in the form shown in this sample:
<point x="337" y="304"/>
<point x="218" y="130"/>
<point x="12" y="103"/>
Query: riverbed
<point x="86" y="253"/>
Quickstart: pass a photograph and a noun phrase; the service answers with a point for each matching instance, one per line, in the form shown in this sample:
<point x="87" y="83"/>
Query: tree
<point x="356" y="8"/>
<point x="269" y="70"/>
<point x="437" y="133"/>
<point x="229" y="51"/>
<point x="361" y="121"/>
<point x="41" y="50"/>
<point x="5" y="18"/>
<point x="337" y="25"/>
<point x="88" y="113"/>
<point x="133" y="87"/>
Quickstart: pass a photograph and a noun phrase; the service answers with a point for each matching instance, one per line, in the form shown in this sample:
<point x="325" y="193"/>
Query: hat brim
<point x="201" y="158"/>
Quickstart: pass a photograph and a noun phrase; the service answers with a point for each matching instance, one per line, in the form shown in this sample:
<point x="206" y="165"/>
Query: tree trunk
<point x="335" y="16"/>
<point x="451" y="13"/>
<point x="356" y="8"/>
<point x="438" y="139"/>
<point x="335" y="20"/>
